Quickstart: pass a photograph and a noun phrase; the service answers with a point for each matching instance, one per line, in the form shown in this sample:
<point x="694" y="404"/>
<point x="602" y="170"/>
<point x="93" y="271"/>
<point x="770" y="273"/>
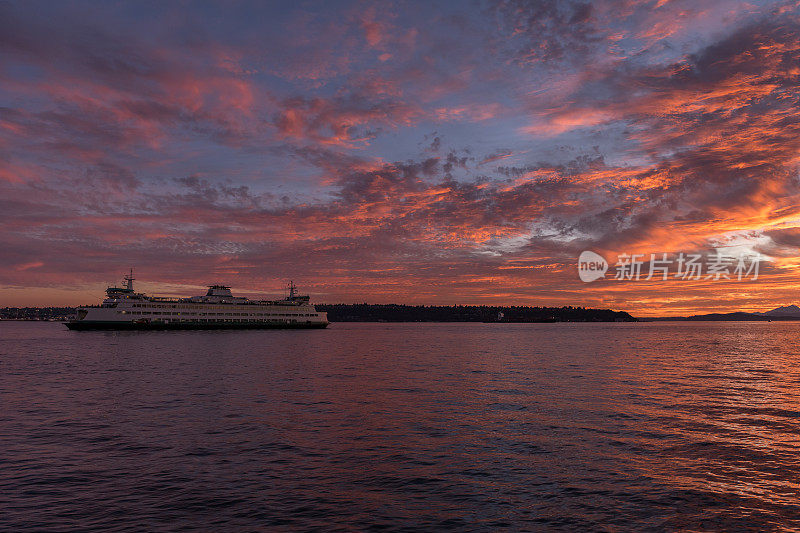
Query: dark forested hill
<point x="36" y="313"/>
<point x="467" y="313"/>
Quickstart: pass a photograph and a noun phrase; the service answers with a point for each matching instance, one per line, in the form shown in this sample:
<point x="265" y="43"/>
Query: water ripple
<point x="402" y="427"/>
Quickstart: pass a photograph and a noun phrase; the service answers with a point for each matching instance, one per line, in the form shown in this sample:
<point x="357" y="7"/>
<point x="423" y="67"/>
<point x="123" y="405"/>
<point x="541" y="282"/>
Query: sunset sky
<point x="408" y="152"/>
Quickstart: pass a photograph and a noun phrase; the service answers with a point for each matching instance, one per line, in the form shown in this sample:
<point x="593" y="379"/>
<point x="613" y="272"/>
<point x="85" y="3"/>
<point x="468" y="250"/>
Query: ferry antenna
<point x="129" y="278"/>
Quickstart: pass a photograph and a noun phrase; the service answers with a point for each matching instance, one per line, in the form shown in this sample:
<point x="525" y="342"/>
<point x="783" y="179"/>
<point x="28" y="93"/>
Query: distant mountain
<point x="786" y="310"/>
<point x="737" y="316"/>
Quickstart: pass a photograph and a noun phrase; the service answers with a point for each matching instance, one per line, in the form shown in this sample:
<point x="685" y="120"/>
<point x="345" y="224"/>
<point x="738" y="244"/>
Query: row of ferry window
<point x="212" y="314"/>
<point x="198" y="306"/>
<point x="222" y="320"/>
<point x="225" y="320"/>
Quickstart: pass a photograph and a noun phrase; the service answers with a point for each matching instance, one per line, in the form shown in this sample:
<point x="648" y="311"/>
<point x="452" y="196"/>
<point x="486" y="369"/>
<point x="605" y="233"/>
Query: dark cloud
<point x="341" y="120"/>
<point x="785" y="237"/>
<point x="545" y="30"/>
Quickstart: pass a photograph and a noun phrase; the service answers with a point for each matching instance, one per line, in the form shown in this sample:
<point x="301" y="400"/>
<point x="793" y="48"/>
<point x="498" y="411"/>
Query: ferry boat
<point x="125" y="309"/>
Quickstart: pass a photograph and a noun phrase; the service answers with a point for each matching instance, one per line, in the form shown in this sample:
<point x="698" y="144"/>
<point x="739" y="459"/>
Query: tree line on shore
<point x="467" y="313"/>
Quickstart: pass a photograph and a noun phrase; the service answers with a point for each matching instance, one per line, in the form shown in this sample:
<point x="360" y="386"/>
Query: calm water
<point x="402" y="427"/>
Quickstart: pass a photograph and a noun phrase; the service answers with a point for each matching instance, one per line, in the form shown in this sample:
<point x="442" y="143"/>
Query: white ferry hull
<point x="94" y="325"/>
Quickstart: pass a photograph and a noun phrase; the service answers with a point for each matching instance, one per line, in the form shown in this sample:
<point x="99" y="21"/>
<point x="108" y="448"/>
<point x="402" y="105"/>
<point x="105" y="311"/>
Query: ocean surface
<point x="402" y="427"/>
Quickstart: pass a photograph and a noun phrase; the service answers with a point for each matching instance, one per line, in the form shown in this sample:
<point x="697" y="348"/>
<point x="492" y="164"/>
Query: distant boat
<point x="124" y="309"/>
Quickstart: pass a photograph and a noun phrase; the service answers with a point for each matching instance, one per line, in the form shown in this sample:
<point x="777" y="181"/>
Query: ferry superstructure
<point x="124" y="308"/>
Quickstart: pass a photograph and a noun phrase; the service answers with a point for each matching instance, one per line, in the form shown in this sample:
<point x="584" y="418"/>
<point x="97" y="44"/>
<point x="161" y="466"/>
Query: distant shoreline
<point x="399" y="313"/>
<point x="738" y="316"/>
<point x="444" y="314"/>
